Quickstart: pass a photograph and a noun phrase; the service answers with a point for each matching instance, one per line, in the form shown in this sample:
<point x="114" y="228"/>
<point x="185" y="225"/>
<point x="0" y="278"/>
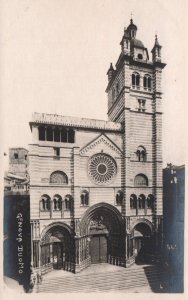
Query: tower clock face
<point x="102" y="168"/>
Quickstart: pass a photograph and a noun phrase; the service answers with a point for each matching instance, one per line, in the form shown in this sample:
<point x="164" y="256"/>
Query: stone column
<point x="36" y="253"/>
<point x="145" y="209"/>
<point x="128" y="246"/>
<point x="62" y="208"/>
<point x="35" y="134"/>
<point x="77" y="254"/>
<point x="32" y="244"/>
<point x="78" y="250"/>
<point x="39" y="254"/>
<point x="51" y="208"/>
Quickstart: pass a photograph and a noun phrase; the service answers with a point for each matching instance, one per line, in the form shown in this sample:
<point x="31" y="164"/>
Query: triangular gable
<point x="101" y="140"/>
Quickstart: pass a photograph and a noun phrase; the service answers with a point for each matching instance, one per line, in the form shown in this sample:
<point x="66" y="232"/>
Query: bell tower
<point x="134" y="99"/>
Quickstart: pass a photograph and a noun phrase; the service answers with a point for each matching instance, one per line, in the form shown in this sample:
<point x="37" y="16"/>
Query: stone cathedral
<point x="96" y="186"/>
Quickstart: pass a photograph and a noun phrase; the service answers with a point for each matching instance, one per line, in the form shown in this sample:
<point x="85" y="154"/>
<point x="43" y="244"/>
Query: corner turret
<point x="156" y="51"/>
<point x="110" y="72"/>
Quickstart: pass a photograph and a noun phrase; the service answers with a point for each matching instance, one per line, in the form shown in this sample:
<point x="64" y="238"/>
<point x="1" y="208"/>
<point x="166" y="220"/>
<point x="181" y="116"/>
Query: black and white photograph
<point x="93" y="147"/>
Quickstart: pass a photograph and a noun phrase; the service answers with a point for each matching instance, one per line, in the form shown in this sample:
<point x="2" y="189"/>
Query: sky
<point x="55" y="55"/>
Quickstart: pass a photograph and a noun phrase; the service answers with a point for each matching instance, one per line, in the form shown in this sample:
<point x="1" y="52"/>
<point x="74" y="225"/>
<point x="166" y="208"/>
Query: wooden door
<point x="98" y="249"/>
<point x="103" y="249"/>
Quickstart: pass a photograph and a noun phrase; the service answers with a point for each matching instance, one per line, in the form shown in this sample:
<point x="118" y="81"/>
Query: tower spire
<point x="156" y="41"/>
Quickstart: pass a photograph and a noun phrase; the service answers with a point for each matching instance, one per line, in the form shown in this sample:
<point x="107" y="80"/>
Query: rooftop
<point x="53" y="119"/>
<point x="174" y="167"/>
<point x="137" y="43"/>
<point x="18" y="148"/>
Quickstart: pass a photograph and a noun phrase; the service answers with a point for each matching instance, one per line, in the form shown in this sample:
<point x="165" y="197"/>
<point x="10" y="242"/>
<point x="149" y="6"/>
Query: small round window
<point x="140" y="56"/>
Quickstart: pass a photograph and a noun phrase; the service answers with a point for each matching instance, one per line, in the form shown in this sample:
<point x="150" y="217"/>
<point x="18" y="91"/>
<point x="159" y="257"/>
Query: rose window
<point x="102" y="168"/>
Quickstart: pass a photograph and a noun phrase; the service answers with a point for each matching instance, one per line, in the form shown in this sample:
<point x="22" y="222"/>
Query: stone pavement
<point x="104" y="278"/>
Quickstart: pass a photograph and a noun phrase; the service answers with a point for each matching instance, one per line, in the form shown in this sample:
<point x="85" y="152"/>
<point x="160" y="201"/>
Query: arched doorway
<point x="142" y="242"/>
<point x="57" y="248"/>
<point x="102" y="225"/>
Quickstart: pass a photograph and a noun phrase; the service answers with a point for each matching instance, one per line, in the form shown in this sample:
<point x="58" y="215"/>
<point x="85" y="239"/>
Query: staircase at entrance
<point x="104" y="278"/>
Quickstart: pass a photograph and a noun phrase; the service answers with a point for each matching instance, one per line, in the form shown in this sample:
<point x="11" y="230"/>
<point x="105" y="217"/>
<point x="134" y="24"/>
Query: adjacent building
<point x="174" y="214"/>
<point x="18" y="162"/>
<point x="96" y="186"/>
<point x="16" y="180"/>
<point x="16" y="225"/>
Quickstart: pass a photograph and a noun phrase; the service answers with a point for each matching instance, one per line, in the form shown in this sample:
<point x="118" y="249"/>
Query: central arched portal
<point x="57" y="248"/>
<point x="102" y="225"/>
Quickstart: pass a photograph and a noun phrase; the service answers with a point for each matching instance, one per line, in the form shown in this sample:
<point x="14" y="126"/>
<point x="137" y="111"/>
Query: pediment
<point x="101" y="144"/>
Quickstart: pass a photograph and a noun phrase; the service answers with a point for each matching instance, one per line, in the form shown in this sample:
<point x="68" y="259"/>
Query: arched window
<point x="119" y="198"/>
<point x="49" y="134"/>
<point x="57" y="201"/>
<point x="68" y="202"/>
<point x="150" y="201"/>
<point x="117" y="89"/>
<point x="135" y="81"/>
<point x="141" y="153"/>
<point x="113" y="93"/>
<point x="159" y="52"/>
<point x="127" y="44"/>
<point x="141" y="105"/>
<point x="45" y="203"/>
<point x="133" y="201"/>
<point x="58" y="177"/>
<point x="141" y="201"/>
<point x="141" y="180"/>
<point x="84" y="197"/>
<point x="147" y="82"/>
<point x="41" y="130"/>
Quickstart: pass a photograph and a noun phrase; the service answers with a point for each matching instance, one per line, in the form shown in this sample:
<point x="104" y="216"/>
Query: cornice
<point x="75" y="122"/>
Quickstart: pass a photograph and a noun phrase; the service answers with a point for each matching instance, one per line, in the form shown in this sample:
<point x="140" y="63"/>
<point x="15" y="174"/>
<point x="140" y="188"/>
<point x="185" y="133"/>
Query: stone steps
<point x="102" y="282"/>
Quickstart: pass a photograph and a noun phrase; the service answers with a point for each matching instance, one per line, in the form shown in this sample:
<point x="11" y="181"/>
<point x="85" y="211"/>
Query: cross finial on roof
<point x="131" y="17"/>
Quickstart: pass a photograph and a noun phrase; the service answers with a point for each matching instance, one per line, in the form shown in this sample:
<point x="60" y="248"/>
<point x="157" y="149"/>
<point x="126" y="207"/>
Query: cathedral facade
<point x="96" y="186"/>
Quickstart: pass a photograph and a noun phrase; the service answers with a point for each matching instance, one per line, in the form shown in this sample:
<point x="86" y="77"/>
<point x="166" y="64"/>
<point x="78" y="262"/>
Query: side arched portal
<point x="57" y="247"/>
<point x="142" y="241"/>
